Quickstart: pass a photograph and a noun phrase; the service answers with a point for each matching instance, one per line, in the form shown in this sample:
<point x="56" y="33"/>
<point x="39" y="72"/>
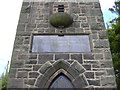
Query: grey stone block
<point x="100" y="73"/>
<point x="75" y="5"/>
<point x="87" y="67"/>
<point x="96" y="5"/>
<point x="94" y="82"/>
<point x="31" y="62"/>
<point x="44" y="58"/>
<point x="106" y="64"/>
<point x="102" y="35"/>
<point x="33" y="74"/>
<point x="101" y="44"/>
<point x="18" y="40"/>
<point x="110" y="71"/>
<point x="22" y="74"/>
<point x="23" y="33"/>
<point x="77" y="57"/>
<point x="26" y="9"/>
<point x="15" y="83"/>
<point x="45" y="67"/>
<point x="12" y="73"/>
<point x="108" y="81"/>
<point x="95" y="26"/>
<point x="21" y="27"/>
<point x="25" y="3"/>
<point x="25" y="69"/>
<point x="99" y="56"/>
<point x="17" y="64"/>
<point x="61" y="56"/>
<point x="80" y="82"/>
<point x="29" y="81"/>
<point x="100" y="19"/>
<point x="108" y="55"/>
<point x="22" y="57"/>
<point x="36" y="67"/>
<point x="78" y="67"/>
<point x="75" y="17"/>
<point x="83" y="18"/>
<point x="42" y="25"/>
<point x="89" y="75"/>
<point x="49" y="30"/>
<point x="89" y="56"/>
<point x="76" y="10"/>
<point x="91" y="19"/>
<point x="70" y="30"/>
<point x="30" y="27"/>
<point x="84" y="25"/>
<point x="61" y="64"/>
<point x="33" y="56"/>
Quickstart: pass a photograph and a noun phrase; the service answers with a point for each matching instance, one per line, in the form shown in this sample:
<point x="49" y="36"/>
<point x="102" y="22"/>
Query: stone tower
<point x="61" y="44"/>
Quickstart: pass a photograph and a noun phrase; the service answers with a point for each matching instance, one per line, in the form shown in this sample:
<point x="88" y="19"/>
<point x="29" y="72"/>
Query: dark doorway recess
<point x="61" y="81"/>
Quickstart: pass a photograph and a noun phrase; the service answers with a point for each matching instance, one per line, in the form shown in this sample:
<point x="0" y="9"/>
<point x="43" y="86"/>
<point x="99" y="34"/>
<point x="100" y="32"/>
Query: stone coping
<point x="84" y="1"/>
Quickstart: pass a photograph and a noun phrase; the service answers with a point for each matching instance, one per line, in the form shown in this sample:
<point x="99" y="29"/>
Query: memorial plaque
<point x="66" y="43"/>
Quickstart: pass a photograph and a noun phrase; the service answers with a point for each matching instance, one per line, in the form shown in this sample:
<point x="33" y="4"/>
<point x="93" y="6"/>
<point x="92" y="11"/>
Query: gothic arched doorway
<point x="61" y="81"/>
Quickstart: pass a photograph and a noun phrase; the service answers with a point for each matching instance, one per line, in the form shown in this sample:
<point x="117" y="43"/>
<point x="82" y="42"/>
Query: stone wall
<point x="91" y="69"/>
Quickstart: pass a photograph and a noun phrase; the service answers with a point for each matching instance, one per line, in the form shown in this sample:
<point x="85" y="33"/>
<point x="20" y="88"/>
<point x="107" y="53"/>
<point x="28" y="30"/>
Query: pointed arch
<point x="74" y="71"/>
<point x="61" y="81"/>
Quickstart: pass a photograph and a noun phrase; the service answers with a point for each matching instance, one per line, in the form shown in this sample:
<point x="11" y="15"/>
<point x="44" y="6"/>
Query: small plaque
<point x="66" y="43"/>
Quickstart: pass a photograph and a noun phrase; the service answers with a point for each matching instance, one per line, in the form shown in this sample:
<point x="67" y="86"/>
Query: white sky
<point x="9" y="16"/>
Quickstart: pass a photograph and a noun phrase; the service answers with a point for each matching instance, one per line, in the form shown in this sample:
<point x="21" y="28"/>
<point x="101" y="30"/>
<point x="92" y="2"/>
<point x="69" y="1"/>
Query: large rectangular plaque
<point x="66" y="43"/>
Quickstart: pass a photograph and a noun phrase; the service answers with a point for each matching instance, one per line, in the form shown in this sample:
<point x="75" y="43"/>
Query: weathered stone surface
<point x="23" y="33"/>
<point x="36" y="67"/>
<point x="84" y="25"/>
<point x="29" y="81"/>
<point x="106" y="64"/>
<point x="100" y="73"/>
<point x="33" y="57"/>
<point x="23" y="57"/>
<point x="21" y="27"/>
<point x="108" y="81"/>
<point x="25" y="69"/>
<point x="94" y="82"/>
<point x="33" y="74"/>
<point x="12" y="73"/>
<point x="87" y="67"/>
<point x="17" y="64"/>
<point x="102" y="34"/>
<point x="97" y="5"/>
<point x="80" y="82"/>
<point x="43" y="58"/>
<point x="98" y="56"/>
<point x="76" y="10"/>
<point x="22" y="74"/>
<point x="61" y="56"/>
<point x="88" y="56"/>
<point x="31" y="62"/>
<point x="77" y="57"/>
<point x="110" y="71"/>
<point x="101" y="44"/>
<point x="78" y="67"/>
<point x="108" y="55"/>
<point x="15" y="83"/>
<point x="61" y="64"/>
<point x="89" y="74"/>
<point x="45" y="67"/>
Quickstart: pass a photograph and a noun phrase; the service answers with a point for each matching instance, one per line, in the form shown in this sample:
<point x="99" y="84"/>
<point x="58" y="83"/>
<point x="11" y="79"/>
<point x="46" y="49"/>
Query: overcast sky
<point x="9" y="16"/>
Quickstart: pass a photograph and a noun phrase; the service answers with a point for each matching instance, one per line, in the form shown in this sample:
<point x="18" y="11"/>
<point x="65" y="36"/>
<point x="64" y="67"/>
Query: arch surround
<point x="70" y="68"/>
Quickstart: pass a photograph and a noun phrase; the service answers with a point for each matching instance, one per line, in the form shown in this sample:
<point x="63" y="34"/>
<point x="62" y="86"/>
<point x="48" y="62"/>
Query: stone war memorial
<point x="61" y="44"/>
